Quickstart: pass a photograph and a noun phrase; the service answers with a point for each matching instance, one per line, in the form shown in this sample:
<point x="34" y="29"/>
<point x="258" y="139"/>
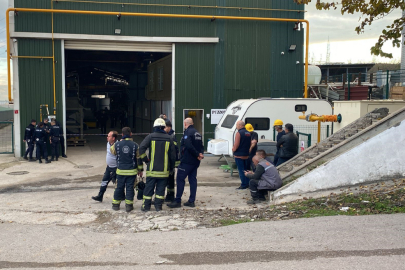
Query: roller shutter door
<point x="118" y="46"/>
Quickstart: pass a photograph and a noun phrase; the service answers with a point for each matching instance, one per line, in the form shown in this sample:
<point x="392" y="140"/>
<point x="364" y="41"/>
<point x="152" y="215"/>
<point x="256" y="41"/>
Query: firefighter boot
<point x="32" y="159"/>
<point x="174" y="204"/>
<point x="99" y="197"/>
<point x="146" y="205"/>
<point x="39" y="160"/>
<point x="169" y="197"/>
<point x="158" y="204"/>
<point x="25" y="157"/>
<point x="47" y="161"/>
<point x="129" y="207"/>
<point x="116" y="206"/>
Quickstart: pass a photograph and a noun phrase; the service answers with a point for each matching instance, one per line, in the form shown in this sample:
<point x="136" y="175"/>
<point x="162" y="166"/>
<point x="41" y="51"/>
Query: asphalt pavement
<point x="340" y="242"/>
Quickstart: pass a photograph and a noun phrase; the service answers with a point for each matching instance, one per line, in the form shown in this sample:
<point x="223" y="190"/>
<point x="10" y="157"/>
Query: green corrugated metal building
<point x="214" y="61"/>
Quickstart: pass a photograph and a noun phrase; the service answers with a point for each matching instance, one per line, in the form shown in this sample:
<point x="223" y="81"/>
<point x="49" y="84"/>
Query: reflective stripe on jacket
<point x="162" y="154"/>
<point x="127" y="153"/>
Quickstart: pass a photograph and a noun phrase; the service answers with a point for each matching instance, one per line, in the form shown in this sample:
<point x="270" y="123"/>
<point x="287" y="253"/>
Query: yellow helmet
<point x="249" y="127"/>
<point x="278" y="122"/>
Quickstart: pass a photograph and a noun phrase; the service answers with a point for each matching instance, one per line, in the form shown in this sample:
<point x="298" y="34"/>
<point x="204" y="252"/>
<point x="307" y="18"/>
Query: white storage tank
<point x="314" y="74"/>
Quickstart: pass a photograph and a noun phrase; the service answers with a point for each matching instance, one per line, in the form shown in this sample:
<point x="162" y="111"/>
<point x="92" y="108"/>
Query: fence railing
<point x="379" y="78"/>
<point x="309" y="134"/>
<point x="6" y="137"/>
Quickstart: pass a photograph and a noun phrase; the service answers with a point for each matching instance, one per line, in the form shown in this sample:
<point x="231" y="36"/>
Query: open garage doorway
<point x="107" y="90"/>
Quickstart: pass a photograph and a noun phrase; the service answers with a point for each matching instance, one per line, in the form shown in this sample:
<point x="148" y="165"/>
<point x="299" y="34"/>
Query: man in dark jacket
<point x="254" y="138"/>
<point x="288" y="145"/>
<point x="28" y="137"/>
<point x="170" y="180"/>
<point x="265" y="178"/>
<point x="40" y="137"/>
<point x="278" y="126"/>
<point x="54" y="134"/>
<point x="160" y="164"/>
<point x="128" y="164"/>
<point x="240" y="151"/>
<point x="191" y="151"/>
<point x="62" y="138"/>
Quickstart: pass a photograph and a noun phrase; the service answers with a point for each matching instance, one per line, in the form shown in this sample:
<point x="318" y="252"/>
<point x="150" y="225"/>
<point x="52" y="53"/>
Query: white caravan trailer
<point x="262" y="113"/>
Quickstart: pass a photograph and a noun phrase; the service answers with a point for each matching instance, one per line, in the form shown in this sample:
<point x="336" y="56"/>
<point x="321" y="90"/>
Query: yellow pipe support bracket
<point x="208" y="17"/>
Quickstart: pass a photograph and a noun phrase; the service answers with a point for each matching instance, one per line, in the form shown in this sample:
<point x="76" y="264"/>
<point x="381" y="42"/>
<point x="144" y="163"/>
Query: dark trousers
<point x="42" y="149"/>
<point x="55" y="147"/>
<point x="282" y="160"/>
<point x="124" y="189"/>
<point x="254" y="191"/>
<point x="183" y="171"/>
<point x="242" y="166"/>
<point x="30" y="148"/>
<point x="170" y="183"/>
<point x="62" y="144"/>
<point x="103" y="126"/>
<point x="276" y="157"/>
<point x="151" y="184"/>
<point x="109" y="174"/>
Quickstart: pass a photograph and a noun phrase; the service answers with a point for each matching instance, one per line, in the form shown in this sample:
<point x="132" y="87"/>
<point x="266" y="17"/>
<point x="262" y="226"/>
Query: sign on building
<point x="216" y="115"/>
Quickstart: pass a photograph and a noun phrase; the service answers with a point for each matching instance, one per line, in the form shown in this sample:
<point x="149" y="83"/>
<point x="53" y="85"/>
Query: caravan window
<point x="229" y="121"/>
<point x="259" y="123"/>
<point x="301" y="108"/>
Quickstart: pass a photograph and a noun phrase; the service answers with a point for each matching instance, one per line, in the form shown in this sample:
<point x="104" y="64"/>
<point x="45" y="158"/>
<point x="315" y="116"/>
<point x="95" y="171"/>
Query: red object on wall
<point x="357" y="92"/>
<point x="15" y="111"/>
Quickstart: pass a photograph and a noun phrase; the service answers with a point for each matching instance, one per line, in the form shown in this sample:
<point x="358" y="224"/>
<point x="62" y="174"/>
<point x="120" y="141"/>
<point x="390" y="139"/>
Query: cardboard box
<point x="398" y="90"/>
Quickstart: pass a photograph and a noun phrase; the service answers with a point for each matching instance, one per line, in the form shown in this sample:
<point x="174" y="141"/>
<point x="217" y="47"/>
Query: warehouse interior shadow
<point x="107" y="90"/>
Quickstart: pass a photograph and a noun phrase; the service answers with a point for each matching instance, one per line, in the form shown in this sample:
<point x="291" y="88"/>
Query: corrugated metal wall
<point x="246" y="63"/>
<point x="36" y="81"/>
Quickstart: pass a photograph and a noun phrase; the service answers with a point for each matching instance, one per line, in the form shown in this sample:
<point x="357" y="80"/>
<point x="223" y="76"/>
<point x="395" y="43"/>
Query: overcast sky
<point x="345" y="44"/>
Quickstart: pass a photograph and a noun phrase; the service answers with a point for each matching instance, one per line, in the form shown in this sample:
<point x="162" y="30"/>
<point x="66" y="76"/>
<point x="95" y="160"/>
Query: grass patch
<point x="351" y="205"/>
<point x="227" y="222"/>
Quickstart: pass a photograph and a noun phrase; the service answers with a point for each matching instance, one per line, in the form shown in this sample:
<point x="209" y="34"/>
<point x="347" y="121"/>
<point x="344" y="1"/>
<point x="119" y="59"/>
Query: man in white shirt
<point x="110" y="171"/>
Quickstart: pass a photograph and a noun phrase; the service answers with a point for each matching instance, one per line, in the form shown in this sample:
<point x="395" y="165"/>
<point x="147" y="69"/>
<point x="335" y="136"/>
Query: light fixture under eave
<point x="117" y="31"/>
<point x="97" y="96"/>
<point x="292" y="47"/>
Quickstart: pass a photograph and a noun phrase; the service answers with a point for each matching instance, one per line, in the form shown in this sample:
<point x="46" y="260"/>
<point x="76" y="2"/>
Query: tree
<point x="372" y="10"/>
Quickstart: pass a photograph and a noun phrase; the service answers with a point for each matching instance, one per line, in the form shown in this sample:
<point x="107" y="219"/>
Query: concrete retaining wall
<point x="380" y="157"/>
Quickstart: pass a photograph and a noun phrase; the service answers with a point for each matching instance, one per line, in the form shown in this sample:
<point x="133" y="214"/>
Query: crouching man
<point x="265" y="178"/>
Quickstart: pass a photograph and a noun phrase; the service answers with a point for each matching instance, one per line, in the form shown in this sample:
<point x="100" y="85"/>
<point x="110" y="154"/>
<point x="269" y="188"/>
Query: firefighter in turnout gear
<point x="40" y="137"/>
<point x="54" y="137"/>
<point x="128" y="163"/>
<point x="160" y="164"/>
<point x="29" y="138"/>
<point x="170" y="180"/>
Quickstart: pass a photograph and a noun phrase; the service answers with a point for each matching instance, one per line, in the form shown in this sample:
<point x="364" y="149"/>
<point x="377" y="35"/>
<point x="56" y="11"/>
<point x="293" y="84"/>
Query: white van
<point x="262" y="113"/>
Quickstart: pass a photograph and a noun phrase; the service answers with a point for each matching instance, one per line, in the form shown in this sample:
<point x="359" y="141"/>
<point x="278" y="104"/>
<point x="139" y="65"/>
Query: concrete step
<point x="325" y="150"/>
<point x="351" y="162"/>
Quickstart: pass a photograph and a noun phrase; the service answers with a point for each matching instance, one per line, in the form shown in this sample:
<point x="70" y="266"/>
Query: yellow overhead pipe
<point x="146" y="15"/>
<point x="320" y="118"/>
<point x="185" y="6"/>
